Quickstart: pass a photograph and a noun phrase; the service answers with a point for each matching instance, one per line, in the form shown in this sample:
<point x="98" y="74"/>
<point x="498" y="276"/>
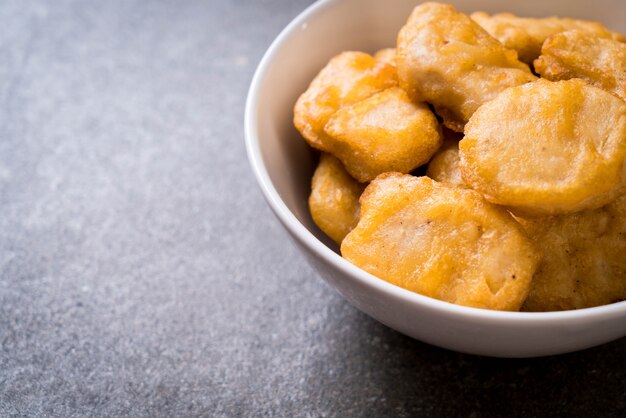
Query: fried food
<point x="444" y="242"/>
<point x="547" y="148"/>
<point x="444" y="166"/>
<point x="526" y="35"/>
<point x="584" y="262"/>
<point x="385" y="132"/>
<point x="386" y="55"/>
<point x="528" y="209"/>
<point x="334" y="199"/>
<point x="446" y="59"/>
<point x="347" y="78"/>
<point x="576" y="54"/>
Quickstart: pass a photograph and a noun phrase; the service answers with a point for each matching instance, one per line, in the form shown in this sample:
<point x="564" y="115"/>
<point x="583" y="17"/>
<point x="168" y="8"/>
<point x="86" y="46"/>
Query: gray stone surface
<point x="141" y="272"/>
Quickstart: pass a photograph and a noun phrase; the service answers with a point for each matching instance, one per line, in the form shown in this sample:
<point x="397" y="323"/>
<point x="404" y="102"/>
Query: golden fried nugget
<point x="347" y="78"/>
<point x="576" y="54"/>
<point x="444" y="166"/>
<point x="547" y="148"/>
<point x="446" y="59"/>
<point x="526" y="35"/>
<point x="334" y="199"/>
<point x="387" y="55"/>
<point x="440" y="241"/>
<point x="584" y="262"/>
<point x="385" y="132"/>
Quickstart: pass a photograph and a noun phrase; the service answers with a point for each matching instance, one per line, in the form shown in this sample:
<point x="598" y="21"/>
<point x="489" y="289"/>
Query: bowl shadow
<point x="377" y="371"/>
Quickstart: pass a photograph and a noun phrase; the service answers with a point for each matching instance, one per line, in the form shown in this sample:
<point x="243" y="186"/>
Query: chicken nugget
<point x="443" y="242"/>
<point x="347" y="78"/>
<point x="334" y="199"/>
<point x="526" y="35"/>
<point x="444" y="166"/>
<point x="385" y="132"/>
<point x="446" y="59"/>
<point x="386" y="55"/>
<point x="584" y="261"/>
<point x="576" y="54"/>
<point x="547" y="148"/>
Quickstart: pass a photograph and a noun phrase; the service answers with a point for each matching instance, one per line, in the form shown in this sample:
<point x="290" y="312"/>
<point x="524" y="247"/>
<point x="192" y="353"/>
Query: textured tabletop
<point x="142" y="273"/>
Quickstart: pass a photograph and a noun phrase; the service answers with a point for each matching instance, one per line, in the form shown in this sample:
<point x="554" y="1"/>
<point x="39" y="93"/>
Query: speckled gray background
<point x="141" y="272"/>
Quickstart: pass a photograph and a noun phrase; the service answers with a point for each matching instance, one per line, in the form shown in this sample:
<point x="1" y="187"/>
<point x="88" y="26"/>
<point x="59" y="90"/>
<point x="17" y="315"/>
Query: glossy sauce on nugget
<point x="526" y="35"/>
<point x="446" y="59"/>
<point x="440" y="241"/>
<point x="334" y="198"/>
<point x="547" y="148"/>
<point x="385" y="132"/>
<point x="576" y="54"/>
<point x="346" y="79"/>
<point x="584" y="258"/>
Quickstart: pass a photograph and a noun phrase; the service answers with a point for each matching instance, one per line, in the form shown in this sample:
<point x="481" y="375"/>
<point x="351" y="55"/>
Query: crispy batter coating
<point x="385" y="132"/>
<point x="347" y="78"/>
<point x="526" y="35"/>
<point x="547" y="148"/>
<point x="386" y="55"/>
<point x="446" y="59"/>
<point x="584" y="262"/>
<point x="545" y="226"/>
<point x="576" y="54"/>
<point x="440" y="241"/>
<point x="334" y="199"/>
<point x="444" y="166"/>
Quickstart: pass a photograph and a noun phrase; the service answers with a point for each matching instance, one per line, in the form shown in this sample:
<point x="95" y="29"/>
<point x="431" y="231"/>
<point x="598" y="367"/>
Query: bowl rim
<point x="313" y="244"/>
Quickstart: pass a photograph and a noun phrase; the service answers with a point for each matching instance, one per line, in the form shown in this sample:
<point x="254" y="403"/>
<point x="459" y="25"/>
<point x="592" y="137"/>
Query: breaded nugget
<point x="334" y="199"/>
<point x="446" y="59"/>
<point x="386" y="55"/>
<point x="547" y="148"/>
<point x="443" y="242"/>
<point x="385" y="132"/>
<point x="584" y="262"/>
<point x="444" y="166"/>
<point x="347" y="78"/>
<point x="576" y="54"/>
<point x="526" y="35"/>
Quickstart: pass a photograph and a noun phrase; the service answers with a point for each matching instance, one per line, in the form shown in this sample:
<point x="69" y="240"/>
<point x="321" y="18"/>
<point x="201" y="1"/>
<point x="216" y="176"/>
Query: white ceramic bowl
<point x="283" y="165"/>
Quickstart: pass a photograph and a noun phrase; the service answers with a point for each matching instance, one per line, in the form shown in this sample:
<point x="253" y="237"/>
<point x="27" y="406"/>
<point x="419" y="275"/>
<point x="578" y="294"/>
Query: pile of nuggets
<point x="480" y="162"/>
